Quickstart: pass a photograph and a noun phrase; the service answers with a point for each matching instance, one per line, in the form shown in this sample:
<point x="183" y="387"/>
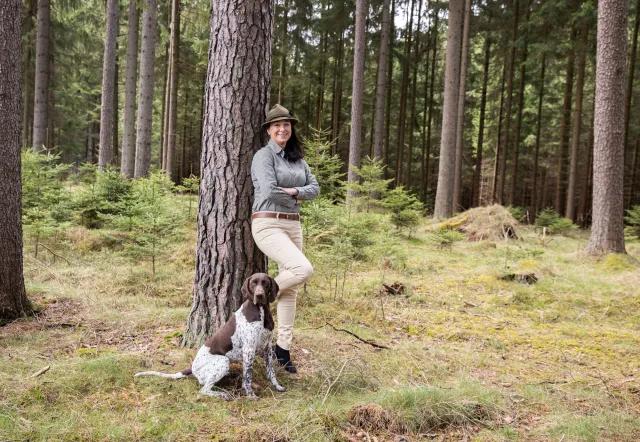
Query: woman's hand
<point x="292" y="191"/>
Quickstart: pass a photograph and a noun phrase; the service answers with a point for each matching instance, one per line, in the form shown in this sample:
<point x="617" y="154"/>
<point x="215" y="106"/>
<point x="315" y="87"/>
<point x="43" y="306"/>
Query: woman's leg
<point x="281" y="240"/>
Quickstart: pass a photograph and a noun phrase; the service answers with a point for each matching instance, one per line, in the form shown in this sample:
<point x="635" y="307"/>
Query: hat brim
<point x="292" y="119"/>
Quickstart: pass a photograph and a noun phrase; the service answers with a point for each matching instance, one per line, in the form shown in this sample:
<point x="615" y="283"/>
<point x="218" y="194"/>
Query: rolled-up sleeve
<point x="264" y="180"/>
<point x="311" y="188"/>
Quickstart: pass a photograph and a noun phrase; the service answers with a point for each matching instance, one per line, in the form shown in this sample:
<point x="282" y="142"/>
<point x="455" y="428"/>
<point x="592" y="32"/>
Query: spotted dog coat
<point x="246" y="335"/>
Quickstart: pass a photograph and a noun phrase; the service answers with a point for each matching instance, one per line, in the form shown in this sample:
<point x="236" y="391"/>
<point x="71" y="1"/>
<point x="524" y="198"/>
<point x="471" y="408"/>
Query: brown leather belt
<point x="276" y="215"/>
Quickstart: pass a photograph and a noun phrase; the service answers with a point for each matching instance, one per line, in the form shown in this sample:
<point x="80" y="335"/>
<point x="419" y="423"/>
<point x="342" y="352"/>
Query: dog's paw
<point x="280" y="388"/>
<point x="252" y="396"/>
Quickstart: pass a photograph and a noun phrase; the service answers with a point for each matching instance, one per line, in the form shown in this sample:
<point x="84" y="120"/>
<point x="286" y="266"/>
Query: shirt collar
<point x="276" y="148"/>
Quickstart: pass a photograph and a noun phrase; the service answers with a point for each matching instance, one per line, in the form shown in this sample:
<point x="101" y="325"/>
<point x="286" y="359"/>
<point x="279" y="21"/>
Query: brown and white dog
<point x="246" y="334"/>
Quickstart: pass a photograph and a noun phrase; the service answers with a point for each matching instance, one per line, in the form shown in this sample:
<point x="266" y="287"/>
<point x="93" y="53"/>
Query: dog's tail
<point x="179" y="375"/>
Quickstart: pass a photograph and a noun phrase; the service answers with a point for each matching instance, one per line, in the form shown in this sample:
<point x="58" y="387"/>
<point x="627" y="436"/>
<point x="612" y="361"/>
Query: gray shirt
<point x="270" y="172"/>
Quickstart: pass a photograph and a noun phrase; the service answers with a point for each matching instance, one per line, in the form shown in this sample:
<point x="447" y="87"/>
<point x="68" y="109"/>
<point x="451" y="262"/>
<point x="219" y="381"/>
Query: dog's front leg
<point x="271" y="373"/>
<point x="248" y="357"/>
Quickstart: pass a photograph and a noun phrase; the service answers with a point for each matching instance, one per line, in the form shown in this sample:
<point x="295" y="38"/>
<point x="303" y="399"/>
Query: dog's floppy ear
<point x="273" y="293"/>
<point x="246" y="292"/>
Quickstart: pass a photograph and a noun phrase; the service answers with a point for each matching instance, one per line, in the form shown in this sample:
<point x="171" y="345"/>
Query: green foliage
<point x="371" y="187"/>
<point x="325" y="166"/>
<point x="519" y="213"/>
<point x="554" y="223"/>
<point x="190" y="186"/>
<point x="109" y="194"/>
<point x="445" y="238"/>
<point x="633" y="222"/>
<point x="405" y="208"/>
<point x="45" y="209"/>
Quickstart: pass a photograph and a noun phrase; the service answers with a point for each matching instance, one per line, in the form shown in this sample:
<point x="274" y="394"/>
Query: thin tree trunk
<point x="164" y="120"/>
<point x="570" y="206"/>
<point x="483" y="106"/>
<point x="146" y="79"/>
<point x="128" y="157"/>
<point x="387" y="126"/>
<point x="425" y="112"/>
<point x="337" y="94"/>
<point x="536" y="155"/>
<point x="516" y="142"/>
<point x="238" y="80"/>
<point x="629" y="99"/>
<point x="607" y="230"/>
<point x="28" y="78"/>
<point x="457" y="179"/>
<point x="506" y="134"/>
<point x="41" y="95"/>
<point x="284" y="49"/>
<point x="382" y="85"/>
<point x="172" y="109"/>
<point x="582" y="216"/>
<point x="564" y="126"/>
<point x="427" y="156"/>
<point x="105" y="154"/>
<point x="412" y="123"/>
<point x="444" y="191"/>
<point x="186" y="129"/>
<point x="404" y="85"/>
<point x="499" y="150"/>
<point x="13" y="299"/>
<point x="357" y="93"/>
<point x="321" y="82"/>
<point x="634" y="198"/>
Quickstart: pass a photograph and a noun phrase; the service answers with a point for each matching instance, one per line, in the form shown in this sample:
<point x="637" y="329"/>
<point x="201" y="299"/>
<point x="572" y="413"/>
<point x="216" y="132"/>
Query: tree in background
<point x="444" y="191"/>
<point x="607" y="230"/>
<point x="356" y="100"/>
<point x="41" y="96"/>
<point x="237" y="90"/>
<point x="107" y="108"/>
<point x="146" y="80"/>
<point x="13" y="298"/>
<point x="128" y="156"/>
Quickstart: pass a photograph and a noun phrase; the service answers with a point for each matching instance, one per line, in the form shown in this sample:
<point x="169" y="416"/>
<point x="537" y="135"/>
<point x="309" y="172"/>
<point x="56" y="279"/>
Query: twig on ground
<point x="371" y="343"/>
<point x="54" y="253"/>
<point x="41" y="371"/>
<point x="334" y="381"/>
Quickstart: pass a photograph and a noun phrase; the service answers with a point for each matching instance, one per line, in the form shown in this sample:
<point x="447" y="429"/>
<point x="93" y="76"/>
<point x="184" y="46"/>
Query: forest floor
<point x="470" y="357"/>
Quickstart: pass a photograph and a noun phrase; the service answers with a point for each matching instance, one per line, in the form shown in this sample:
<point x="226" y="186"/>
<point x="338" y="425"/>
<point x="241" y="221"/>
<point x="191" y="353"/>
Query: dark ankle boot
<point x="284" y="359"/>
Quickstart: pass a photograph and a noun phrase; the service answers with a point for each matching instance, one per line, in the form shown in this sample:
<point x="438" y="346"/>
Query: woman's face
<point x="280" y="132"/>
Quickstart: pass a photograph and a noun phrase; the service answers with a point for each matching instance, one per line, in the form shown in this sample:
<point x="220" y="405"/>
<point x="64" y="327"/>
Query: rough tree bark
<point x="146" y="80"/>
<point x="444" y="192"/>
<point x="237" y="95"/>
<point x="412" y="120"/>
<point x="576" y="124"/>
<point x="41" y="95"/>
<point x="355" y="138"/>
<point x="404" y="85"/>
<point x="381" y="87"/>
<point x="13" y="299"/>
<point x="457" y="179"/>
<point x="127" y="160"/>
<point x="607" y="230"/>
<point x="172" y="108"/>
<point x="628" y="100"/>
<point x="536" y="155"/>
<point x="427" y="154"/>
<point x="105" y="154"/>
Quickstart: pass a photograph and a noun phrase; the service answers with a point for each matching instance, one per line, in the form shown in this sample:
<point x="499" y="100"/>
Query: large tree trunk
<point x="570" y="206"/>
<point x="536" y="155"/>
<point x="105" y="155"/>
<point x="146" y="80"/>
<point x="237" y="90"/>
<point x="607" y="230"/>
<point x="444" y="191"/>
<point x="357" y="92"/>
<point x="28" y="72"/>
<point x="457" y="179"/>
<point x="13" y="299"/>
<point x="404" y="85"/>
<point x="477" y="173"/>
<point x="381" y="88"/>
<point x="41" y="95"/>
<point x="564" y="126"/>
<point x="128" y="157"/>
<point x="172" y="108"/>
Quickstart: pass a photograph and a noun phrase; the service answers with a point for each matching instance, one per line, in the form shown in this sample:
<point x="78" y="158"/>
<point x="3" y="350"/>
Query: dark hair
<point x="293" y="149"/>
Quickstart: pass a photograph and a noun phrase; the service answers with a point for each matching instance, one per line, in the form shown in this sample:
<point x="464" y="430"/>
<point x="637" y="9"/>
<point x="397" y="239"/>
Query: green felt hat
<point x="279" y="113"/>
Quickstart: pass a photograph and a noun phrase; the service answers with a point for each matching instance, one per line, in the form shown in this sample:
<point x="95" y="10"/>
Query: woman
<point x="281" y="180"/>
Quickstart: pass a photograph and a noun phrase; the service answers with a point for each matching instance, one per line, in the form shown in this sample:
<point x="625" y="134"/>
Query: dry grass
<point x="492" y="223"/>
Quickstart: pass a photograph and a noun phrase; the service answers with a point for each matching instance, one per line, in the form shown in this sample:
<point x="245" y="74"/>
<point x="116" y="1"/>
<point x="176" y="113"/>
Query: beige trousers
<point x="281" y="241"/>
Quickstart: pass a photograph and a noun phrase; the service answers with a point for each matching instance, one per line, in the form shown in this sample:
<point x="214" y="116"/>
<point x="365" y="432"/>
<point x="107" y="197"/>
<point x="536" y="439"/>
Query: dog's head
<point x="260" y="288"/>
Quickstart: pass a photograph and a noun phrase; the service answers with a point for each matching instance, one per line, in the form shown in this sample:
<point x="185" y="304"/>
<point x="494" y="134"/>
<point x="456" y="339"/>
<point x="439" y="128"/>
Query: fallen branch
<point x="41" y="371"/>
<point x="54" y="253"/>
<point x="371" y="343"/>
